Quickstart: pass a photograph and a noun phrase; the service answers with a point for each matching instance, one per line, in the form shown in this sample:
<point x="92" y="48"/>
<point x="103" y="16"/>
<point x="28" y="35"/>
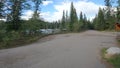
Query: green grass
<point x="23" y="40"/>
<point x="103" y="52"/>
<point x="114" y="61"/>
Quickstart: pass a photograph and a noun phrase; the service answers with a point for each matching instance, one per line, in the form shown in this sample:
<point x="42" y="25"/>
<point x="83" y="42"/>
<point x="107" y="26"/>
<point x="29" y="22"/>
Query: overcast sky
<point x="51" y="10"/>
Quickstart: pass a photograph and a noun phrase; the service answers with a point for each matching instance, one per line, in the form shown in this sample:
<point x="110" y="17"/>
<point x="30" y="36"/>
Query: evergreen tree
<point x="67" y="21"/>
<point x="108" y="7"/>
<point x="73" y="18"/>
<point x="85" y="22"/>
<point x="109" y="17"/>
<point x="15" y="12"/>
<point x="63" y="22"/>
<point x="81" y="22"/>
<point x="95" y="22"/>
<point x="99" y="21"/>
<point x="76" y="23"/>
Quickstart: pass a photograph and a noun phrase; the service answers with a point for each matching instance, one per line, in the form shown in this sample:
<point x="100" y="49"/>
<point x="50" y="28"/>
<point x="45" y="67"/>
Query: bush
<point x="2" y="34"/>
<point x="8" y="37"/>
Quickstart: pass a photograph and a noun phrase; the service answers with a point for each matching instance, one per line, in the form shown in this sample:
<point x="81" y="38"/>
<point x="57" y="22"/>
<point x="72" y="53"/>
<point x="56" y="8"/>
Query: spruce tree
<point x="108" y="7"/>
<point x="81" y="21"/>
<point x="109" y="18"/>
<point x="85" y="22"/>
<point x="63" y="20"/>
<point x="15" y="12"/>
<point x="101" y="21"/>
<point x="67" y="21"/>
<point x="73" y="18"/>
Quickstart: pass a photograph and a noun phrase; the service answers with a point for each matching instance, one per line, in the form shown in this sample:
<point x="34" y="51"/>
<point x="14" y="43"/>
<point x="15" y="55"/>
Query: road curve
<point x="74" y="50"/>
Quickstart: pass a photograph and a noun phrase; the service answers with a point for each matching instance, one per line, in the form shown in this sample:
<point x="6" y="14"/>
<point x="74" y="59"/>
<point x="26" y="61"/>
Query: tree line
<point x="12" y="11"/>
<point x="108" y="16"/>
<point x="72" y="22"/>
<point x="105" y="19"/>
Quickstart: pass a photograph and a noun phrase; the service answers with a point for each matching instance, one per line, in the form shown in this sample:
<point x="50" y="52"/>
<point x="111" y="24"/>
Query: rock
<point x="112" y="51"/>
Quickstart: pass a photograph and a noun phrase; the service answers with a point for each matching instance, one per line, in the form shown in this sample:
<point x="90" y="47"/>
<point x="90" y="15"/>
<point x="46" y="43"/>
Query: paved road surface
<point x="74" y="50"/>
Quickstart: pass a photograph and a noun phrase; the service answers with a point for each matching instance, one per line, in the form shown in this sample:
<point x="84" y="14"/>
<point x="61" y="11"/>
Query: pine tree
<point x="81" y="17"/>
<point x="63" y="22"/>
<point x="81" y="21"/>
<point x="76" y="24"/>
<point x="95" y="22"/>
<point x="109" y="18"/>
<point x="108" y="7"/>
<point x="67" y="21"/>
<point x="85" y="22"/>
<point x="15" y="12"/>
<point x="73" y="18"/>
<point x="101" y="21"/>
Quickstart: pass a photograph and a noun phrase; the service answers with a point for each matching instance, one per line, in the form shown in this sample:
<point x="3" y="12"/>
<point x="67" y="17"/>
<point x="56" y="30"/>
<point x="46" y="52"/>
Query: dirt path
<point x="75" y="50"/>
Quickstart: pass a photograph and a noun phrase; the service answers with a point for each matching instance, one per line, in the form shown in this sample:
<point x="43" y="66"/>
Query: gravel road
<point x="73" y="50"/>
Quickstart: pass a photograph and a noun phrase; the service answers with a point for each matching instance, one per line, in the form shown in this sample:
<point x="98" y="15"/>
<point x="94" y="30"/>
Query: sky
<point x="51" y="10"/>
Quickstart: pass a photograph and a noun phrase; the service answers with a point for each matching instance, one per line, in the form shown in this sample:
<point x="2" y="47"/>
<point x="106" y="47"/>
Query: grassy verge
<point x="9" y="42"/>
<point x="16" y="39"/>
<point x="113" y="61"/>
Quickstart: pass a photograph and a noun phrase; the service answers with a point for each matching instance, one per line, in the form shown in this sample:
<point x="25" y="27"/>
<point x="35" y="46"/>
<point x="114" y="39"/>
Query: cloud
<point x="45" y="3"/>
<point x="87" y="7"/>
<point x="45" y="15"/>
<point x="27" y="15"/>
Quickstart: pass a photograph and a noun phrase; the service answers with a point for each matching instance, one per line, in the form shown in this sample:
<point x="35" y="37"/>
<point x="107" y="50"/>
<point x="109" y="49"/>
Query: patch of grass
<point x="10" y="42"/>
<point x="103" y="52"/>
<point x="114" y="61"/>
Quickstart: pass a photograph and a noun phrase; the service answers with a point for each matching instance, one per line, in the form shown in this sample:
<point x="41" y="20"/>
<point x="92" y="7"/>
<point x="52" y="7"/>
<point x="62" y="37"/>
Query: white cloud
<point x="45" y="3"/>
<point x="27" y="15"/>
<point x="88" y="8"/>
<point x="45" y="15"/>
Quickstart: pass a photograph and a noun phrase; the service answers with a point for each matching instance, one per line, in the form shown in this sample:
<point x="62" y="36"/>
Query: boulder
<point x="112" y="51"/>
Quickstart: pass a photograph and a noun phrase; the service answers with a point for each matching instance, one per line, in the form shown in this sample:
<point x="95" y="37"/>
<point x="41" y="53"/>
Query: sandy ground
<point x="74" y="50"/>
